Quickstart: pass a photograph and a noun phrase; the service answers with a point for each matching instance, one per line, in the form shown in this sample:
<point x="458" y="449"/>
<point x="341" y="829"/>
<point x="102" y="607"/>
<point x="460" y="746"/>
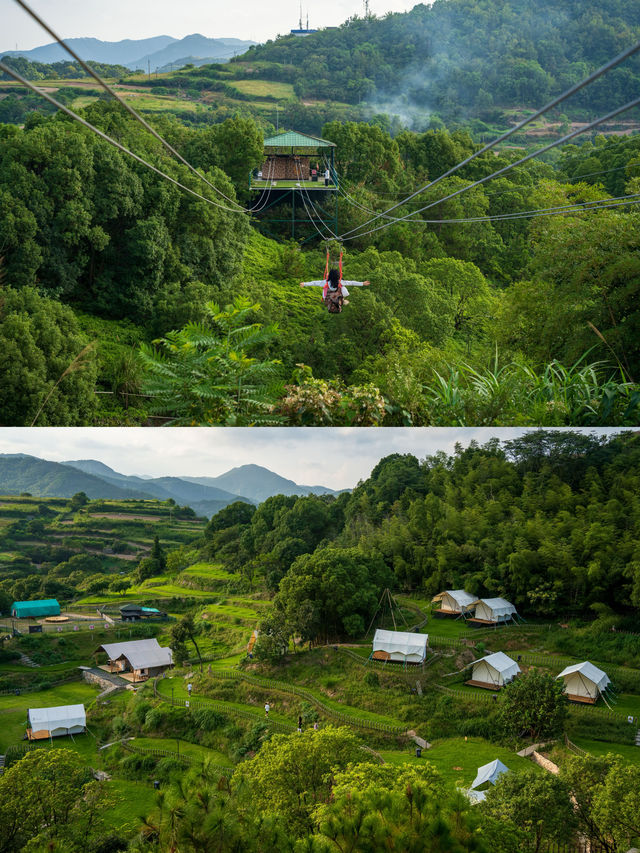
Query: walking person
<point x="299" y="725"/>
<point x="267" y="708"/>
<point x="327" y="177"/>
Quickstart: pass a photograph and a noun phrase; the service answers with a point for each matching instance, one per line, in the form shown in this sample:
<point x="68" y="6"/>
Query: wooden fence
<point x="47" y="685"/>
<point x="130" y="746"/>
<point x="196" y="704"/>
<point x="332" y="713"/>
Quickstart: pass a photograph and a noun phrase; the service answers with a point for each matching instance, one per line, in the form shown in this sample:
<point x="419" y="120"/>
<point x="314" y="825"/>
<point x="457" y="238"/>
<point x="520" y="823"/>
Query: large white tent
<point x="489" y="773"/>
<point x="494" y="671"/>
<point x="56" y="721"/>
<point x="494" y="610"/>
<point x="454" y="601"/>
<point x="401" y="646"/>
<point x="584" y="682"/>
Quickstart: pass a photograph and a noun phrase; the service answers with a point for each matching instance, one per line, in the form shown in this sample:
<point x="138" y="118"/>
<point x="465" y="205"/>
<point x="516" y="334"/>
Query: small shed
<point x="494" y="671"/>
<point x="584" y="682"/>
<point x="489" y="774"/>
<point x="136" y="612"/>
<point x="453" y="602"/>
<point x="53" y="722"/>
<point x="141" y="658"/>
<point x="492" y="611"/>
<point x="399" y="646"/>
<point x="33" y="609"/>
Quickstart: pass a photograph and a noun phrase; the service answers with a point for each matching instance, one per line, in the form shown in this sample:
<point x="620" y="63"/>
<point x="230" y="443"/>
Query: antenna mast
<point x="301" y="15"/>
<point x="367" y="13"/>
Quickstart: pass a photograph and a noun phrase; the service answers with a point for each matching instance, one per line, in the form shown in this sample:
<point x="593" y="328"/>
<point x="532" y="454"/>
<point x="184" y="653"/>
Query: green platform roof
<point x="293" y="139"/>
<point x="43" y="607"/>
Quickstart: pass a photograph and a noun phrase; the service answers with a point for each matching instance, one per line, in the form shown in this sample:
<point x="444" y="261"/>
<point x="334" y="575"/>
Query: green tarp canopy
<point x="293" y="139"/>
<point x="44" y="607"/>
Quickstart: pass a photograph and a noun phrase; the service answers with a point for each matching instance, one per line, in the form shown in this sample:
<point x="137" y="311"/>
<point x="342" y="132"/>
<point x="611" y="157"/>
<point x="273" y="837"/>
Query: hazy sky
<point x="336" y="458"/>
<point x="257" y="20"/>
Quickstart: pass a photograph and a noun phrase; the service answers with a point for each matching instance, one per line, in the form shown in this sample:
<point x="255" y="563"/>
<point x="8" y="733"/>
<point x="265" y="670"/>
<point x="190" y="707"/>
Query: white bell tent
<point x="584" y="682"/>
<point x="399" y="646"/>
<point x="494" y="671"/>
<point x="454" y="601"/>
<point x="494" y="610"/>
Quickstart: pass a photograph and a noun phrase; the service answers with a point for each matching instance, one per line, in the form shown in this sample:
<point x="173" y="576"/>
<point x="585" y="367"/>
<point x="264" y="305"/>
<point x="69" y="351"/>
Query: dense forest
<point x="128" y="300"/>
<point x="548" y="521"/>
<point x="462" y="57"/>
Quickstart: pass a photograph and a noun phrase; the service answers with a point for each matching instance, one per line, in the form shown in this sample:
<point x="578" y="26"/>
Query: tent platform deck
<point x="482" y="623"/>
<point x="126" y="675"/>
<point x="484" y="684"/>
<point x="445" y="613"/>
<point x="581" y="700"/>
<point x="43" y="734"/>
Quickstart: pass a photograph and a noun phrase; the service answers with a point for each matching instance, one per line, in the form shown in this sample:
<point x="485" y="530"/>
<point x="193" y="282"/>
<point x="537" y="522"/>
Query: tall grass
<point x="583" y="394"/>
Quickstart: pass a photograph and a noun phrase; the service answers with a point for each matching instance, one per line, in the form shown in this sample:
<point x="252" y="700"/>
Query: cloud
<point x="333" y="457"/>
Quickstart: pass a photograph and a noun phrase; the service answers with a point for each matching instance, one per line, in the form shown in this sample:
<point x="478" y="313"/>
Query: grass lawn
<point x="180" y="692"/>
<point x="264" y="88"/>
<point x="193" y="750"/>
<point x="458" y="760"/>
<point x="600" y="747"/>
<point x="13" y="709"/>
<point x="134" y="800"/>
<point x="627" y="704"/>
<point x="209" y="570"/>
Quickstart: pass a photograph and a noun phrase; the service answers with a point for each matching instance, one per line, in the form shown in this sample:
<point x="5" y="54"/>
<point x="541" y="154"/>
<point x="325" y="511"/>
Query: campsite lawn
<point x="627" y="704"/>
<point x="458" y="759"/>
<point x="629" y="752"/>
<point x="13" y="709"/>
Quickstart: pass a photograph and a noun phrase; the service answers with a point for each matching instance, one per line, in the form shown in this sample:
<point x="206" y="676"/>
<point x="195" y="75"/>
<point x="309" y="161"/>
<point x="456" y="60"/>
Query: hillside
<point x="462" y="58"/>
<point x="138" y="53"/>
<point x="259" y="483"/>
<point x="131" y="279"/>
<point x="248" y="724"/>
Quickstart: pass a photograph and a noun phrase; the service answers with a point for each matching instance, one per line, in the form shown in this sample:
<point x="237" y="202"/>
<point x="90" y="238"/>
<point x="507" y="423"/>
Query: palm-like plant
<point x="210" y="372"/>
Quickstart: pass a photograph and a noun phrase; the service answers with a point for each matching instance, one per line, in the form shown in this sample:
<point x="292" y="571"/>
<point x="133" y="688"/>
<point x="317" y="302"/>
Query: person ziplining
<point x="334" y="288"/>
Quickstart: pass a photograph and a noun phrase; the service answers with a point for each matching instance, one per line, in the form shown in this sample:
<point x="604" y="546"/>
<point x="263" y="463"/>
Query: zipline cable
<point x="108" y="139"/>
<point x="597" y="204"/>
<point x="630" y="105"/>
<point x="122" y="102"/>
<point x="309" y="216"/>
<point x="554" y="103"/>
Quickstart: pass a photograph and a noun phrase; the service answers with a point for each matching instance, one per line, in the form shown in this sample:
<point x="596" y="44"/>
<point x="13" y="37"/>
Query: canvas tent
<point x="494" y="671"/>
<point x="489" y="773"/>
<point x="494" y="610"/>
<point x="400" y="646"/>
<point x="56" y="721"/>
<point x="454" y="601"/>
<point x="584" y="682"/>
<point x="43" y="607"/>
<point x="143" y="658"/>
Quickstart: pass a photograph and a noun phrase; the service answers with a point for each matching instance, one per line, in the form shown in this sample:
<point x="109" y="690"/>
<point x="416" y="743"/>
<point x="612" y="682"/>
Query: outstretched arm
<point x="356" y="283"/>
<point x="312" y="283"/>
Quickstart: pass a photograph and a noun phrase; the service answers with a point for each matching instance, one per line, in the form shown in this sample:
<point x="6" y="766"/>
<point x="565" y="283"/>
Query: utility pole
<point x="367" y="13"/>
<point x="149" y="69"/>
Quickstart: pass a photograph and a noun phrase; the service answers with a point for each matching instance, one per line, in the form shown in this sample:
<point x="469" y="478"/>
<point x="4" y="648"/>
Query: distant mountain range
<point x="206" y="495"/>
<point x="158" y="52"/>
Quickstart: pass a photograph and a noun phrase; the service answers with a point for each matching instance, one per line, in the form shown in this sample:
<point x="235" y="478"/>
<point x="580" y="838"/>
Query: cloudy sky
<point x="336" y="458"/>
<point x="121" y="19"/>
